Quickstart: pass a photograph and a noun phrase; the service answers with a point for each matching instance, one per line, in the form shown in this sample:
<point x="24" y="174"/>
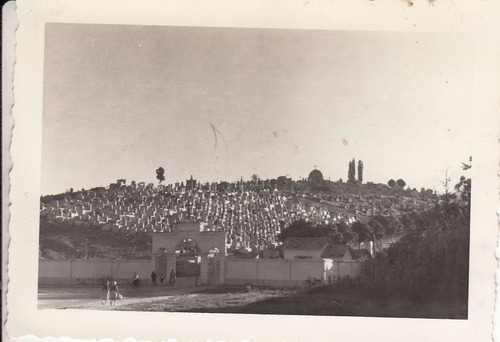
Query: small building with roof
<point x="337" y="252"/>
<point x="361" y="254"/>
<point x="304" y="247"/>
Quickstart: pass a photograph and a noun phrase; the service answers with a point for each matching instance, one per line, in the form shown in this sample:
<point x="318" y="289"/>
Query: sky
<point x="225" y="103"/>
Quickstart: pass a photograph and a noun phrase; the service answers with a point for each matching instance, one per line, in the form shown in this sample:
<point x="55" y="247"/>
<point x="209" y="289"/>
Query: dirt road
<point x="154" y="298"/>
<point x="91" y="297"/>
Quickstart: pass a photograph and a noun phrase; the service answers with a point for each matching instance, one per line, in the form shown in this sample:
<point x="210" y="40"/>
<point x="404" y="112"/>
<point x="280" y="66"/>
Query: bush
<point x="433" y="257"/>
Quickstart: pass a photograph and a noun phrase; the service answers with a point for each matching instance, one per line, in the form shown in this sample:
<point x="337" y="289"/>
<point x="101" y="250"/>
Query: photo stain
<point x="275" y="134"/>
<point x="345" y="142"/>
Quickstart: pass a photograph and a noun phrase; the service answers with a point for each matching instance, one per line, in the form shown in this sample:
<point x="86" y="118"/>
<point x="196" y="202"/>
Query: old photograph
<point x="255" y="171"/>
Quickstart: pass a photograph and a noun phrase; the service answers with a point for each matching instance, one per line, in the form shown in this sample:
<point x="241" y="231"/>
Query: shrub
<point x="433" y="256"/>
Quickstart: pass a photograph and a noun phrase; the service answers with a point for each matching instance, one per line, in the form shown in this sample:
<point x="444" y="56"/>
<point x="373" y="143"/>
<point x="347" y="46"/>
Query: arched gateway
<point x="165" y="245"/>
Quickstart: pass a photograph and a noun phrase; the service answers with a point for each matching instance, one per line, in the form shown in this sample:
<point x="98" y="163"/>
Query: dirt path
<point x="91" y="297"/>
<point x="155" y="299"/>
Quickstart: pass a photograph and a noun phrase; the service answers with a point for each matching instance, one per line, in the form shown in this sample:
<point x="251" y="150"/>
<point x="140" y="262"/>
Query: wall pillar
<point x="204" y="269"/>
<point x="222" y="269"/>
<point x="154" y="262"/>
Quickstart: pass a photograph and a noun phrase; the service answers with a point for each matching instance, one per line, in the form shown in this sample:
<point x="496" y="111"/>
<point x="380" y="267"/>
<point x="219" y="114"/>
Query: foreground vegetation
<point x="432" y="258"/>
<point x="348" y="298"/>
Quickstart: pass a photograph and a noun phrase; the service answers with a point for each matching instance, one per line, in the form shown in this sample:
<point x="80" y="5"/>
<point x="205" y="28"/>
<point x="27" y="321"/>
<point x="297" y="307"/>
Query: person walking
<point x="153" y="278"/>
<point x="106" y="294"/>
<point x="113" y="293"/>
<point x="162" y="278"/>
<point x="172" y="278"/>
<point x="136" y="280"/>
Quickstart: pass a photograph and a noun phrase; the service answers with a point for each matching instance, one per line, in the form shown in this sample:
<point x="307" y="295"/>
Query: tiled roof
<point x="335" y="251"/>
<point x="307" y="243"/>
<point x="359" y="253"/>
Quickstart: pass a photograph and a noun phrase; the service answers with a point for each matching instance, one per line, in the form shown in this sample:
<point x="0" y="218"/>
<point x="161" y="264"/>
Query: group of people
<point x="162" y="278"/>
<point x="111" y="293"/>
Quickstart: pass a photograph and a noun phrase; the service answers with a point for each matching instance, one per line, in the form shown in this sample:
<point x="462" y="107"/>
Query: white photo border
<point x="461" y="17"/>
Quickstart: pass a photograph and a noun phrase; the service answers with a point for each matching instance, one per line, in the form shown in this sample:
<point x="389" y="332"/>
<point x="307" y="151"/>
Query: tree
<point x="362" y="230"/>
<point x="299" y="228"/>
<point x="433" y="256"/>
<point x="360" y="172"/>
<point x="464" y="189"/>
<point x="390" y="224"/>
<point x="446" y="184"/>
<point x="464" y="186"/>
<point x="351" y="175"/>
<point x="160" y="174"/>
<point x="407" y="222"/>
<point x="391" y="183"/>
<point x="401" y="183"/>
<point x="255" y="178"/>
<point x="378" y="231"/>
<point x="188" y="247"/>
<point x="431" y="259"/>
<point x="341" y="234"/>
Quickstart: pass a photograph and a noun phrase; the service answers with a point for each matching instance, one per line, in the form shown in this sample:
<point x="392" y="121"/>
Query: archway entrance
<point x="190" y="252"/>
<point x="187" y="259"/>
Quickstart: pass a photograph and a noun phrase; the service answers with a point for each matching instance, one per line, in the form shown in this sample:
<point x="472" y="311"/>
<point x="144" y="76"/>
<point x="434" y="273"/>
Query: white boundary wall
<point x="66" y="272"/>
<point x="282" y="272"/>
<point x="263" y="272"/>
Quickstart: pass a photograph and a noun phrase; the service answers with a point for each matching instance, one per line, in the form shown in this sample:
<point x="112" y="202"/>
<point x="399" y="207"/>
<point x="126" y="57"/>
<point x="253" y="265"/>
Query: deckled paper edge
<point x="9" y="27"/>
<point x="393" y="6"/>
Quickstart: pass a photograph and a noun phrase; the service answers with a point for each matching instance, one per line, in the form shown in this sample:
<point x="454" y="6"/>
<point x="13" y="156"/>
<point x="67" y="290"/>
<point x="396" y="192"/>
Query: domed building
<point x="315" y="177"/>
<point x="316" y="181"/>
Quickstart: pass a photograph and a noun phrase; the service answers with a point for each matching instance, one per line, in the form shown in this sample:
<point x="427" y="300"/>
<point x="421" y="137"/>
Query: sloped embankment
<point x="66" y="241"/>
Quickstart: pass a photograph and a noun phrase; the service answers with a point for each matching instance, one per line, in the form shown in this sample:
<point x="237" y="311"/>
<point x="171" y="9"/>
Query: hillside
<point x="66" y="241"/>
<point x="116" y="222"/>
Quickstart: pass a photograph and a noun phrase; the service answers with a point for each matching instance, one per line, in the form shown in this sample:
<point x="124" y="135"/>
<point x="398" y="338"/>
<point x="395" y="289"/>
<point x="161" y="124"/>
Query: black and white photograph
<point x="258" y="171"/>
<point x="238" y="175"/>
